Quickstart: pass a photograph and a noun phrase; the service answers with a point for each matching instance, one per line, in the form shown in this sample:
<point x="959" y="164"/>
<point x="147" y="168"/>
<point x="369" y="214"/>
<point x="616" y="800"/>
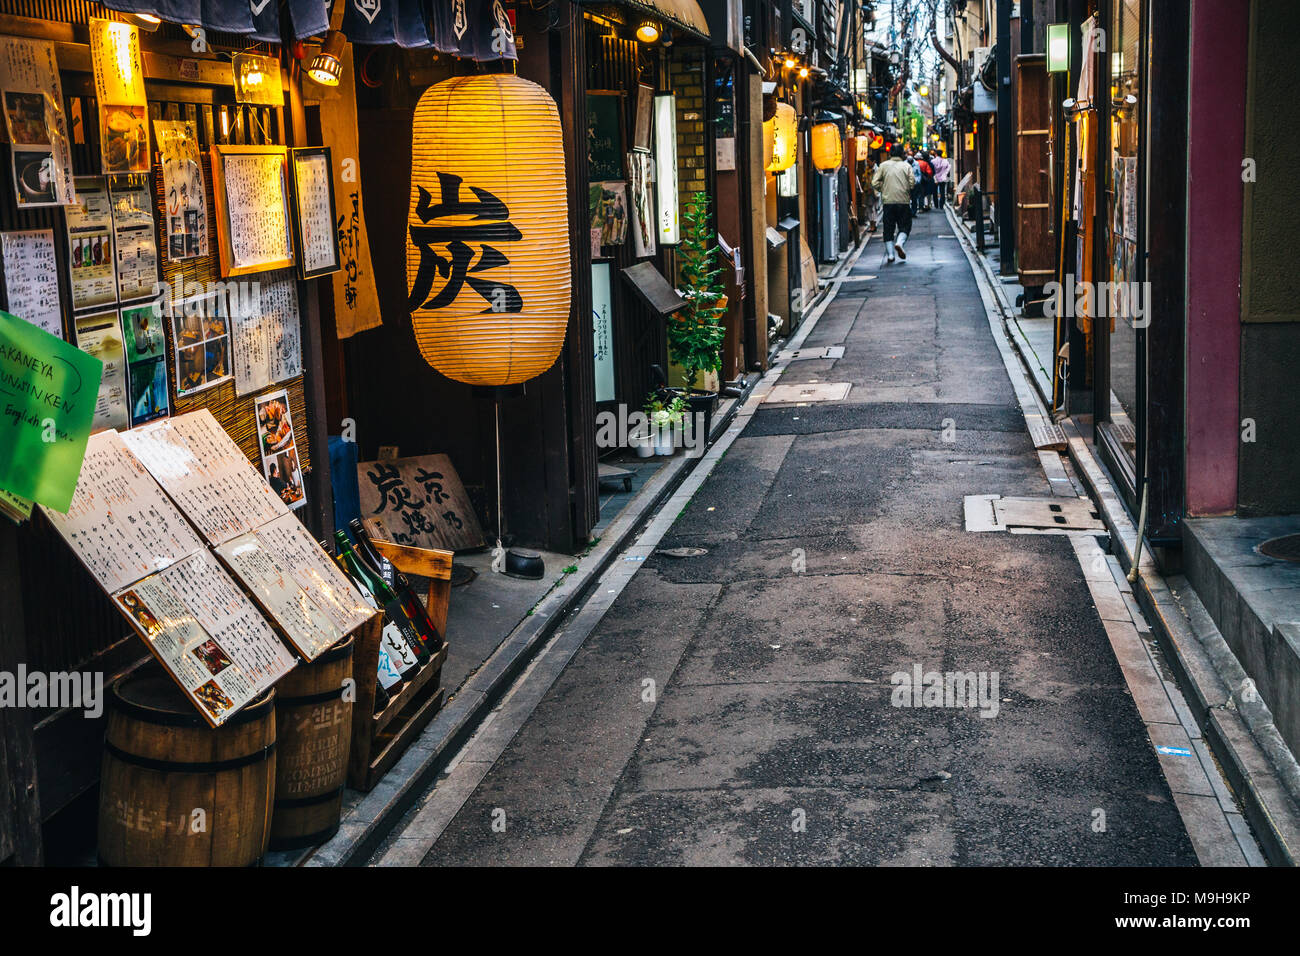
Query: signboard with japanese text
<point x="421" y="502"/>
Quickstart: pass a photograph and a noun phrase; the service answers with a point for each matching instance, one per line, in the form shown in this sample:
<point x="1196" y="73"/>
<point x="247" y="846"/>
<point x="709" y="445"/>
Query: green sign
<point x="48" y="391"/>
<point x="1058" y="47"/>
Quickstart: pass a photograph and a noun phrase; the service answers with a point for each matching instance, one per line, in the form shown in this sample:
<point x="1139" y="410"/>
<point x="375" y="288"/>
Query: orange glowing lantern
<point x="785" y="138"/>
<point x="487" y="248"/>
<point x="827" y="151"/>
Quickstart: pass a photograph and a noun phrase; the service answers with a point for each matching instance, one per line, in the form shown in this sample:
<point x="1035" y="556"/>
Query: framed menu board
<point x="313" y="199"/>
<point x="254" y="226"/>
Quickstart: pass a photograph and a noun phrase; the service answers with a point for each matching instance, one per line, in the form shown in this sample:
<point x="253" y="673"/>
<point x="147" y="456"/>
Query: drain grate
<point x="1285" y="548"/>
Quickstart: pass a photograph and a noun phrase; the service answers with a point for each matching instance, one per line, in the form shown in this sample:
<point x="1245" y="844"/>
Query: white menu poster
<point x="186" y="219"/>
<point x="208" y="634"/>
<point x="36" y="122"/>
<point x="100" y="335"/>
<point x="120" y="524"/>
<point x="32" y="278"/>
<point x="313" y="183"/>
<point x="90" y="245"/>
<point x="257" y="208"/>
<point x="315" y="572"/>
<point x="204" y="471"/>
<point x="268" y="339"/>
<point x="135" y="251"/>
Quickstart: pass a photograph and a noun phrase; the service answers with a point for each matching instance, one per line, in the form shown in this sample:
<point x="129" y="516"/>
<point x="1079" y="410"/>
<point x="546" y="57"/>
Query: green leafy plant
<point x="664" y="414"/>
<point x="695" y="332"/>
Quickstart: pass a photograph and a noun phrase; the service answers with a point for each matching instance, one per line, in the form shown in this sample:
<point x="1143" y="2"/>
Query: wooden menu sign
<point x="420" y="501"/>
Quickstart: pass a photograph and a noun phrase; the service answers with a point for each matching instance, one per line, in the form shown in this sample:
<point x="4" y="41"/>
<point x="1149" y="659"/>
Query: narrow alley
<point x="827" y="552"/>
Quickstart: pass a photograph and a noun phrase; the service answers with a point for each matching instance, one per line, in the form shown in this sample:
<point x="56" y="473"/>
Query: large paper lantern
<point x="827" y="153"/>
<point x="487" y="241"/>
<point x="785" y="138"/>
<point x="769" y="141"/>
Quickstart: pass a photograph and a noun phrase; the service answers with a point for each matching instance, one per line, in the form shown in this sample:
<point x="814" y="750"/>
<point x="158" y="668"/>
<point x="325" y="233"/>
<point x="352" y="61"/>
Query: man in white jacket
<point x="893" y="181"/>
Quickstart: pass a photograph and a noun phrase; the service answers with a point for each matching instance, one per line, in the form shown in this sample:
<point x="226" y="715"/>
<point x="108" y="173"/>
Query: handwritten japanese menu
<point x="115" y="61"/>
<point x="206" y="474"/>
<point x="421" y="502"/>
<point x="32" y="278"/>
<point x="316" y="233"/>
<point x="120" y="524"/>
<point x="135" y="251"/>
<point x="257" y="208"/>
<point x="298" y="585"/>
<point x="100" y="335"/>
<point x="268" y="338"/>
<point x="37" y="124"/>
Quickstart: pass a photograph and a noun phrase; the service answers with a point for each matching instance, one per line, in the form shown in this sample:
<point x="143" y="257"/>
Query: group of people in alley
<point x="907" y="183"/>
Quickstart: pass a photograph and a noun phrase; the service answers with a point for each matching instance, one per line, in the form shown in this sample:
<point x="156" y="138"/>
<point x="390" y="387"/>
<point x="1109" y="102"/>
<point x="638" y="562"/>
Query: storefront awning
<point x="679" y="14"/>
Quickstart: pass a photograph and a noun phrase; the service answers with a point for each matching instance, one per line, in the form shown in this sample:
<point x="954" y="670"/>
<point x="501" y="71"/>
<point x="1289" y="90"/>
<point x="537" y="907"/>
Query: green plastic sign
<point x="48" y="390"/>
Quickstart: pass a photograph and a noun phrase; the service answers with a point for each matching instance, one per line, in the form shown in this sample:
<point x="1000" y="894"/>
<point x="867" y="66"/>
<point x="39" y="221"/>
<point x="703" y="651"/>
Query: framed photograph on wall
<point x="254" y="218"/>
<point x="314" y="214"/>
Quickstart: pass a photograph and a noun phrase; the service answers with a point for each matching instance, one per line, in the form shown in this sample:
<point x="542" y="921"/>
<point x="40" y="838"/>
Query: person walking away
<point x="894" y="182"/>
<point x="927" y="181"/>
<point x="942" y="170"/>
<point x="916" y="181"/>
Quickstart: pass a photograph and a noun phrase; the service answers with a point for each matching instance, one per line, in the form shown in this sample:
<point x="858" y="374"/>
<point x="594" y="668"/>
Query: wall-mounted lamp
<point x="326" y="67"/>
<point x="145" y="21"/>
<point x="647" y="31"/>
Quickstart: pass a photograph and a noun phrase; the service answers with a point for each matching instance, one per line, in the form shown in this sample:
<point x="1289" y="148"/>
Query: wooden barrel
<point x="175" y="792"/>
<point x="314" y="722"/>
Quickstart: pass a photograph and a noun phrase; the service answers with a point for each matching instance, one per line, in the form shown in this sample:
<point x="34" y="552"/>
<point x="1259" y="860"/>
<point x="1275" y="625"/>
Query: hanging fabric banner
<point x="381" y="22"/>
<point x="474" y="30"/>
<point x="356" y="302"/>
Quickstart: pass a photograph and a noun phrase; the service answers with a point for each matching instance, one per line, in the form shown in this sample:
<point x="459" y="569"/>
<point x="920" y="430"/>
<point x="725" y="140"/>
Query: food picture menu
<point x="90" y="245"/>
<point x="279" y="448"/>
<point x="100" y="335"/>
<point x="37" y="125"/>
<point x="146" y="354"/>
<point x="186" y="221"/>
<point x="201" y="335"/>
<point x="32" y="278"/>
<point x="119" y="87"/>
<point x="135" y="252"/>
<point x="268" y="340"/>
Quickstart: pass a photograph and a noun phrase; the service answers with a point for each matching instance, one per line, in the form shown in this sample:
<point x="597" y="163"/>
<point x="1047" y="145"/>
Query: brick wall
<point x="686" y="74"/>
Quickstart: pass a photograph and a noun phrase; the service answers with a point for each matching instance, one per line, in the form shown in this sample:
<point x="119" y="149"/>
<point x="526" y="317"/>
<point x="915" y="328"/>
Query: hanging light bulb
<point x="789" y="63"/>
<point x="326" y="67"/>
<point x="803" y="72"/>
<point x="647" y="31"/>
<point x="145" y="21"/>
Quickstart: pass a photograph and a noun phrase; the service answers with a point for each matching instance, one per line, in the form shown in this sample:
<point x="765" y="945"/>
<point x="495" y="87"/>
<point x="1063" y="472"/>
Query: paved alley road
<point x="836" y="557"/>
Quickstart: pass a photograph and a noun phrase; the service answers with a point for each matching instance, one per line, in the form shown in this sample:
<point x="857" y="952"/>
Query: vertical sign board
<point x="602" y="339"/>
<point x="665" y="151"/>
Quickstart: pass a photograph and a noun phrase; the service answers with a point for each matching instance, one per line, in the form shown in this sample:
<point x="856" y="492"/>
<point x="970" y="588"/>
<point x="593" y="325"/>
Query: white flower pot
<point x="663" y="439"/>
<point x="642" y="443"/>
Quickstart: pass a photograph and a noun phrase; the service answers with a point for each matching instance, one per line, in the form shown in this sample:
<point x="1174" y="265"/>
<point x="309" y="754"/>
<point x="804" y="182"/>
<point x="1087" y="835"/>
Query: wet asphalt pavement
<point x="836" y="557"/>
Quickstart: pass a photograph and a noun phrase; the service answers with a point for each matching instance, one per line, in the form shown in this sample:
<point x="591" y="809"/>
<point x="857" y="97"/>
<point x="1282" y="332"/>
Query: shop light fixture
<point x="790" y="63"/>
<point x="665" y="123"/>
<point x="647" y="31"/>
<point x="923" y="90"/>
<point x="326" y="67"/>
<point x="145" y="21"/>
<point x="785" y="132"/>
<point x="827" y="151"/>
<point x="803" y="72"/>
<point x="1058" y="48"/>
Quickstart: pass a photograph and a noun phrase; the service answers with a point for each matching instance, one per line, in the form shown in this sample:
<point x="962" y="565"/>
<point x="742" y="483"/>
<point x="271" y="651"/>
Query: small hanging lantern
<point x="785" y="141"/>
<point x="827" y="151"/>
<point x="862" y="145"/>
<point x="487" y="250"/>
<point x="769" y="141"/>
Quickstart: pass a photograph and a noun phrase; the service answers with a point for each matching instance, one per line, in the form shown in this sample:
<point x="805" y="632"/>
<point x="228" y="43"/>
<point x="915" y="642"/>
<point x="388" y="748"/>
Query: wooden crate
<point x="379" y="739"/>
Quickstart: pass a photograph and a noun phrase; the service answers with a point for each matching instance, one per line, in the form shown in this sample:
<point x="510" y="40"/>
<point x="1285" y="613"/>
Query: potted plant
<point x="695" y="332"/>
<point x="665" y="418"/>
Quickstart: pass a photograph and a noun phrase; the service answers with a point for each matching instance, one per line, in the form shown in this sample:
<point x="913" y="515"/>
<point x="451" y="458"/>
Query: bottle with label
<point x="391" y="676"/>
<point x="398" y="581"/>
<point x="400" y="634"/>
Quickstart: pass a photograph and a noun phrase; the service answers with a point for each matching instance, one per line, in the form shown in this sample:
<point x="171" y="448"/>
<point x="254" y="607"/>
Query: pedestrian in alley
<point x="942" y="169"/>
<point x="894" y="182"/>
<point x="927" y="181"/>
<point x="915" y="198"/>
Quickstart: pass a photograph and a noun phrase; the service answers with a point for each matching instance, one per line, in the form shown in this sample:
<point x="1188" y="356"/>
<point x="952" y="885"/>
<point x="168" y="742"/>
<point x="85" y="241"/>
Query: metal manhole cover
<point x="1285" y="548"/>
<point x="819" y="392"/>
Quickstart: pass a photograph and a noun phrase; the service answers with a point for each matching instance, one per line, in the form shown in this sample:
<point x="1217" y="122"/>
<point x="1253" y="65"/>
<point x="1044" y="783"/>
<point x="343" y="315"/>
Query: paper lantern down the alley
<point x="487" y="241"/>
<point x="785" y="138"/>
<point x="827" y="152"/>
<point x="769" y="141"/>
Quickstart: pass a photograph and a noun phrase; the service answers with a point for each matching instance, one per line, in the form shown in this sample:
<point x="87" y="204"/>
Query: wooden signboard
<point x="604" y="135"/>
<point x="420" y="501"/>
